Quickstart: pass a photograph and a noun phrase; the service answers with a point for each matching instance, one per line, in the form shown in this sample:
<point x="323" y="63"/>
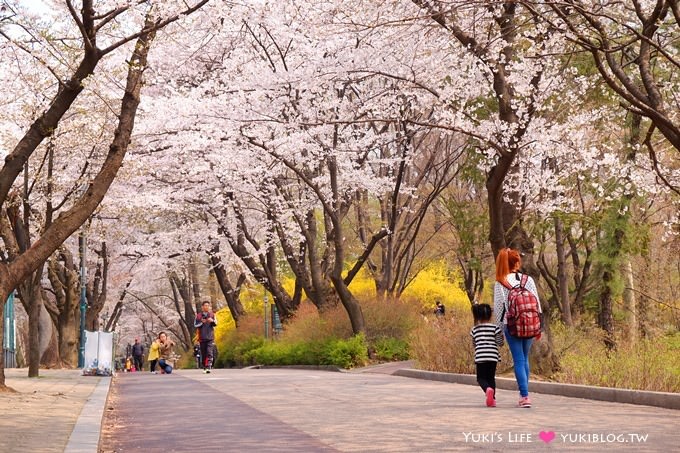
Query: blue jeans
<point x="165" y="366"/>
<point x="519" y="348"/>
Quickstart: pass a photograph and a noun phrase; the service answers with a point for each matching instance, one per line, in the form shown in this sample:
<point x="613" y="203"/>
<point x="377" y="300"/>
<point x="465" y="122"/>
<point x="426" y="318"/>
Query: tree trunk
<point x="644" y="323"/>
<point x="307" y="259"/>
<point x="69" y="324"/>
<point x="606" y="313"/>
<point x="562" y="275"/>
<point x="181" y="289"/>
<point x="317" y="285"/>
<point x="333" y="217"/>
<point x="231" y="294"/>
<point x="50" y="356"/>
<point x="613" y="244"/>
<point x="64" y="278"/>
<point x="629" y="278"/>
<point x="195" y="283"/>
<point x="352" y="306"/>
<point x="30" y="294"/>
<point x="582" y="273"/>
<point x="630" y="301"/>
<point x="97" y="288"/>
<point x="284" y="303"/>
<point x="213" y="288"/>
<point x="260" y="268"/>
<point x="118" y="309"/>
<point x="494" y="187"/>
<point x="33" y="311"/>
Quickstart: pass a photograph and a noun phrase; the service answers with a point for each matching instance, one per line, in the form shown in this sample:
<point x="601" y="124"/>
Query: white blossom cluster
<point x="284" y="108"/>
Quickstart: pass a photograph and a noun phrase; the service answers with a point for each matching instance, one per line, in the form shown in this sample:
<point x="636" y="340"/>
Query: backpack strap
<point x="508" y="286"/>
<point x="523" y="280"/>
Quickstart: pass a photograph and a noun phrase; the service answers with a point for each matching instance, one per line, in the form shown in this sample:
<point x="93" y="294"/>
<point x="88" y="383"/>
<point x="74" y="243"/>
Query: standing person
<point x="514" y="292"/>
<point x="205" y="326"/>
<point x="486" y="338"/>
<point x="138" y="355"/>
<point x="154" y="354"/>
<point x="165" y="346"/>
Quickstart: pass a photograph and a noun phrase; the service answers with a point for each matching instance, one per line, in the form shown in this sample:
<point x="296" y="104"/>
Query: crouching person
<point x="165" y="351"/>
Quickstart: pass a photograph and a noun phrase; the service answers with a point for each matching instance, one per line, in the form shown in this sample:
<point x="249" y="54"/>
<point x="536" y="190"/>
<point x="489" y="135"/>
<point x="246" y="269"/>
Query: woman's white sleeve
<point x="498" y="303"/>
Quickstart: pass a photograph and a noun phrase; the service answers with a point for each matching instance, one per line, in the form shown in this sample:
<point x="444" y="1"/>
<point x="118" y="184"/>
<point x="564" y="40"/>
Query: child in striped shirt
<point x="486" y="338"/>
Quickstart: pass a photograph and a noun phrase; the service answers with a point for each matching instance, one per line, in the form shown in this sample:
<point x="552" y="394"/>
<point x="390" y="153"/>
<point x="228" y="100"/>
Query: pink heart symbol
<point x="547" y="436"/>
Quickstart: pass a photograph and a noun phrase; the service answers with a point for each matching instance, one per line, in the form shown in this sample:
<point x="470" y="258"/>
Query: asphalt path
<point x="290" y="410"/>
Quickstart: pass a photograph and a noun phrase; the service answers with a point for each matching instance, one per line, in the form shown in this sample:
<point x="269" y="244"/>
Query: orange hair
<point x="507" y="261"/>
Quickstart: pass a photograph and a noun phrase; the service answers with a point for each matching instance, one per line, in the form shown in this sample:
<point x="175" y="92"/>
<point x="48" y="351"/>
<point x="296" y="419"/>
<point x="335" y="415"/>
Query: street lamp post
<point x="83" y="297"/>
<point x="8" y="342"/>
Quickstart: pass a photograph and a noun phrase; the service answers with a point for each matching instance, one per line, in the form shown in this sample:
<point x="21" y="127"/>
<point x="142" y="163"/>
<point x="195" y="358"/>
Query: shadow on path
<point x="148" y="412"/>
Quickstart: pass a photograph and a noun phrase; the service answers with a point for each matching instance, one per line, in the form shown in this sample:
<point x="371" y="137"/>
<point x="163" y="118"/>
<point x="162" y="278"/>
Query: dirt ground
<point x="50" y="404"/>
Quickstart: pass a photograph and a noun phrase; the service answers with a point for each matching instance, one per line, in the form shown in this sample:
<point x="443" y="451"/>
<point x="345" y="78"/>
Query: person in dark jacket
<point x="439" y="309"/>
<point x="138" y="355"/>
<point x="205" y="327"/>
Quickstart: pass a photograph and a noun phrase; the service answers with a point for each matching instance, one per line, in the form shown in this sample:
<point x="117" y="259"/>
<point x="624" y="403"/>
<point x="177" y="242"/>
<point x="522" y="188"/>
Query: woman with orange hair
<point x="508" y="264"/>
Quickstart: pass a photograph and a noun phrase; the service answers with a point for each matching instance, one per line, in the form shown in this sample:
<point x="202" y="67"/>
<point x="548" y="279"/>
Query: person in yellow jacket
<point x="154" y="354"/>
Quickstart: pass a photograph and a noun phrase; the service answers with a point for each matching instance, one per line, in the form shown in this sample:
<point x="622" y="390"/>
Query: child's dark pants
<point x="486" y="375"/>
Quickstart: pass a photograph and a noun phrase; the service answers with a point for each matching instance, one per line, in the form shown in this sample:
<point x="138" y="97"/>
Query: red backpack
<point x="524" y="317"/>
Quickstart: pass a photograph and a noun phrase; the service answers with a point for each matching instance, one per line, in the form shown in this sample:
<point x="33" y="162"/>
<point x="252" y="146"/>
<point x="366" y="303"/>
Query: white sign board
<point x="99" y="352"/>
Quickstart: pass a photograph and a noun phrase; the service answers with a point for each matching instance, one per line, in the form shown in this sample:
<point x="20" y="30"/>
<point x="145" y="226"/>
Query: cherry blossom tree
<point x="277" y="122"/>
<point x="91" y="30"/>
<point x="424" y="173"/>
<point x="632" y="45"/>
<point x="329" y="98"/>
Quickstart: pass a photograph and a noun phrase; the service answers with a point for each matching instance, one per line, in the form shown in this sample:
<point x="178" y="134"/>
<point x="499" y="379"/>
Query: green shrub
<point x="389" y="349"/>
<point x="345" y="353"/>
<point x="256" y="351"/>
<point x="238" y="353"/>
<point x="306" y="353"/>
<point x="269" y="354"/>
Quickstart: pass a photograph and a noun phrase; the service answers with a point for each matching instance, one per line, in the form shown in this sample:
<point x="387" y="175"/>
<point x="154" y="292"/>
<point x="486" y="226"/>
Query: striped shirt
<point x="486" y="338"/>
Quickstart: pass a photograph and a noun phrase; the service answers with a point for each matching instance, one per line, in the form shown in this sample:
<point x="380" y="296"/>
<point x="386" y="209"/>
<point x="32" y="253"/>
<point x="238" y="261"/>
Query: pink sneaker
<point x="524" y="402"/>
<point x="490" y="401"/>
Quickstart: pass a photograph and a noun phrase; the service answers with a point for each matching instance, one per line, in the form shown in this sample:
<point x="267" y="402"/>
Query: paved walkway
<point x="285" y="410"/>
